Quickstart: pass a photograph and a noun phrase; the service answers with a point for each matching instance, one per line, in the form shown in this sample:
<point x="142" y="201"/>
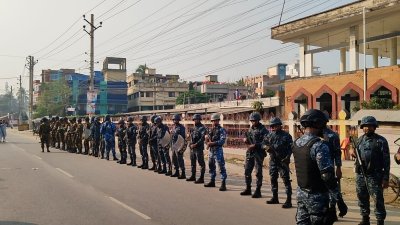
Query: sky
<point x="192" y="38"/>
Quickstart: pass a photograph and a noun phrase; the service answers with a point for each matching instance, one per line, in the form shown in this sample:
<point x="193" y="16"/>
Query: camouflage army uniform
<point x="216" y="155"/>
<point x="57" y="137"/>
<point x="131" y="133"/>
<point x="164" y="150"/>
<point x="197" y="137"/>
<point x="154" y="148"/>
<point x="44" y="133"/>
<point x="312" y="193"/>
<point x="78" y="137"/>
<point x="61" y="132"/>
<point x="86" y="137"/>
<point x="121" y="132"/>
<point x="53" y="131"/>
<point x="96" y="137"/>
<point x="143" y="142"/>
<point x="255" y="157"/>
<point x="374" y="151"/>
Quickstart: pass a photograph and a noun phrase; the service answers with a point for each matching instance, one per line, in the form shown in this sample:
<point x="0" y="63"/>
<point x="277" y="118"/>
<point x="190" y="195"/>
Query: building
<point x="218" y="91"/>
<point x="54" y="75"/>
<point x="152" y="91"/>
<point x="341" y="29"/>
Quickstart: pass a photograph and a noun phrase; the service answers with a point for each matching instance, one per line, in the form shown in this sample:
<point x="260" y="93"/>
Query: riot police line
<point x="317" y="157"/>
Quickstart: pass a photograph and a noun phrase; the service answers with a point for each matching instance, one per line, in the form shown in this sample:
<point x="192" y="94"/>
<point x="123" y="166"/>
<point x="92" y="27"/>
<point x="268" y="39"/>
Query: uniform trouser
<point x="53" y="139"/>
<point x="179" y="162"/>
<point x="165" y="152"/>
<point x="374" y="182"/>
<point x="110" y="146"/>
<point x="312" y="208"/>
<point x="254" y="160"/>
<point x="153" y="154"/>
<point x="143" y="152"/>
<point x="62" y="140"/>
<point x="131" y="151"/>
<point x="157" y="156"/>
<point x="102" y="146"/>
<point x="78" y="144"/>
<point x="162" y="162"/>
<point x="122" y="151"/>
<point x="216" y="156"/>
<point x="86" y="144"/>
<point x="58" y="139"/>
<point x="44" y="140"/>
<point x="276" y="168"/>
<point x="197" y="155"/>
<point x="96" y="145"/>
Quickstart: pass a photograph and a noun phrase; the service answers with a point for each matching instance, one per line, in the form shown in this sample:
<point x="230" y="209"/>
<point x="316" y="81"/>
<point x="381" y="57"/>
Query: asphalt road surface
<point x="62" y="188"/>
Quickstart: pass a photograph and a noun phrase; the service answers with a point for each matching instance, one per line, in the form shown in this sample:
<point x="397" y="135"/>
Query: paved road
<point x="63" y="188"/>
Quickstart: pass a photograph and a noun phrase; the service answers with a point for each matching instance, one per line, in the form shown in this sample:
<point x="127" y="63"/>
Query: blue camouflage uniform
<point x="218" y="135"/>
<point x="255" y="158"/>
<point x="121" y="132"/>
<point x="312" y="191"/>
<point x="280" y="149"/>
<point x="374" y="153"/>
<point x="131" y="133"/>
<point x="156" y="158"/>
<point x="144" y="141"/>
<point x="177" y="154"/>
<point x="197" y="137"/>
<point x="163" y="150"/>
<point x="108" y="131"/>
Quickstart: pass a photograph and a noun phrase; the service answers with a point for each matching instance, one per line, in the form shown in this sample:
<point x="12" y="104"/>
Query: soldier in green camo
<point x="44" y="133"/>
<point x="53" y="137"/>
<point x="61" y="132"/>
<point x="57" y="137"/>
<point x="78" y="136"/>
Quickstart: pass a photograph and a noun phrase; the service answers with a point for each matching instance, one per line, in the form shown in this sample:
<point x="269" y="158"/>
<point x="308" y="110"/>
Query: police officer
<point x="335" y="197"/>
<point x="96" y="136"/>
<point x="143" y="142"/>
<point x="197" y="137"/>
<point x="162" y="130"/>
<point x="61" y="132"/>
<point x="108" y="131"/>
<point x="78" y="136"/>
<point x="215" y="140"/>
<point x="57" y="137"/>
<point x="255" y="154"/>
<point x="44" y="133"/>
<point x="86" y="135"/>
<point x="279" y="145"/>
<point x="121" y="131"/>
<point x="177" y="154"/>
<point x="71" y="135"/>
<point x="131" y="133"/>
<point x="53" y="138"/>
<point x="153" y="146"/>
<point x="314" y="171"/>
<point x="373" y="175"/>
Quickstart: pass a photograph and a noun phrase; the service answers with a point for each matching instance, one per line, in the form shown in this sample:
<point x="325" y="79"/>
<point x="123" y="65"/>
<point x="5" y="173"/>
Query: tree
<point x="191" y="97"/>
<point x="54" y="99"/>
<point x="258" y="106"/>
<point x="8" y="103"/>
<point x="141" y="69"/>
<point x="268" y="94"/>
<point x="240" y="83"/>
<point x="378" y="103"/>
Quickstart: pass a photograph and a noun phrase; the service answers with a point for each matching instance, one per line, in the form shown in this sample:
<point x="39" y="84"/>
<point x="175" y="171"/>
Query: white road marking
<point x="130" y="208"/>
<point x="5" y="168"/>
<point x="37" y="157"/>
<point x="65" y="173"/>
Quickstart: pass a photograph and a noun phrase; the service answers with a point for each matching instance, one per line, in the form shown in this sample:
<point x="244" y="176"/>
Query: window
<point x="142" y="94"/>
<point x="149" y="94"/>
<point x="171" y="94"/>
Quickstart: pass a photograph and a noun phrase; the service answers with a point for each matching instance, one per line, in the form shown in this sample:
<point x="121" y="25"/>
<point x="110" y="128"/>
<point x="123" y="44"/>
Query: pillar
<point x="342" y="60"/>
<point x="393" y="51"/>
<point x="375" y="57"/>
<point x="309" y="66"/>
<point x="354" y="48"/>
<point x="302" y="58"/>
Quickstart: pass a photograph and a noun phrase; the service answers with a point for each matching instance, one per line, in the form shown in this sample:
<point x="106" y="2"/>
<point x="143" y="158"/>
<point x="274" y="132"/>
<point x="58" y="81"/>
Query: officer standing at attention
<point x="86" y="136"/>
<point x="61" y="131"/>
<point x="143" y="142"/>
<point x="78" y="136"/>
<point x="255" y="154"/>
<point x="121" y="131"/>
<point x="96" y="137"/>
<point x="57" y="127"/>
<point x="44" y="133"/>
<point x="215" y="140"/>
<point x="197" y="137"/>
<point x="131" y="133"/>
<point x="177" y="154"/>
<point x="373" y="175"/>
<point x="153" y="146"/>
<point x="314" y="171"/>
<point x="108" y="131"/>
<point x="279" y="145"/>
<point x="162" y="129"/>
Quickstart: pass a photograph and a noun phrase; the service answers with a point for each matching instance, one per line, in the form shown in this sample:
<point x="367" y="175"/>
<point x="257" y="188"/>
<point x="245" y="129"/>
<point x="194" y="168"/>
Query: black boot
<point x="153" y="167"/>
<point x="182" y="176"/>
<point x="274" y="199"/>
<point x="223" y="186"/>
<point x="246" y="191"/>
<point x="365" y="221"/>
<point x="257" y="193"/>
<point x="42" y="149"/>
<point x="288" y="203"/>
<point x="200" y="180"/>
<point x="130" y="164"/>
<point x="192" y="178"/>
<point x="145" y="166"/>
<point x="48" y="150"/>
<point x="169" y="173"/>
<point x="176" y="174"/>
<point x="342" y="208"/>
<point x="115" y="158"/>
<point x="380" y="222"/>
<point x="210" y="184"/>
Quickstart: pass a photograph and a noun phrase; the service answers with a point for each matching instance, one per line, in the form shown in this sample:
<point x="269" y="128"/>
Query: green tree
<point x="54" y="99"/>
<point x="191" y="97"/>
<point x="8" y="103"/>
<point x="268" y="94"/>
<point x="141" y="69"/>
<point x="378" y="103"/>
<point x="258" y="106"/>
<point x="240" y="83"/>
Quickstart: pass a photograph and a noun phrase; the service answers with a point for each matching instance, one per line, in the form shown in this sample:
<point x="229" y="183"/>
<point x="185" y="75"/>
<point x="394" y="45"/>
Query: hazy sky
<point x="186" y="37"/>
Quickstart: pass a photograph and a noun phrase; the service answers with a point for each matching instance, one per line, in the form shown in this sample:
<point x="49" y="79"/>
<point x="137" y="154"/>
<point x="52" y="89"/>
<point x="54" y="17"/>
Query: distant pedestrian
<point x="3" y="131"/>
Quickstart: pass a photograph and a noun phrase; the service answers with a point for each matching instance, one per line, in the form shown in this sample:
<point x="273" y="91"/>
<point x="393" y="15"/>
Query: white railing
<point x="268" y="102"/>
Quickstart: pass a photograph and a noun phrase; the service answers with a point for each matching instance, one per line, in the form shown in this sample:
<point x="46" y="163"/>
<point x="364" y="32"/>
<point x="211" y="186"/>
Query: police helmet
<point x="57" y="118"/>
<point x="80" y="120"/>
<point x="87" y="119"/>
<point x="108" y="118"/>
<point x="121" y="121"/>
<point x="130" y="119"/>
<point x="53" y="119"/>
<point x="275" y="121"/>
<point x="368" y="120"/>
<point x="44" y="119"/>
<point x="314" y="118"/>
<point x="215" y="116"/>
<point x="158" y="119"/>
<point x="255" y="116"/>
<point x="96" y="119"/>
<point x="152" y="118"/>
<point x="196" y="117"/>
<point x="73" y="119"/>
<point x="143" y="118"/>
<point x="176" y="117"/>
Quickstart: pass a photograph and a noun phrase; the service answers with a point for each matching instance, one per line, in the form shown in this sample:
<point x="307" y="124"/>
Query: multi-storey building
<point x="219" y="91"/>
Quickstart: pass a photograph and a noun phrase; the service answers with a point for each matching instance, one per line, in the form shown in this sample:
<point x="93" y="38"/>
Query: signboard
<point x="91" y="102"/>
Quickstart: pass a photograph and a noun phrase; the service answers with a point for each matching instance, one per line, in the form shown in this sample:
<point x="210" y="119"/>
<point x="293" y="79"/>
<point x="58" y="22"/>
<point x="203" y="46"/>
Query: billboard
<point x="91" y="102"/>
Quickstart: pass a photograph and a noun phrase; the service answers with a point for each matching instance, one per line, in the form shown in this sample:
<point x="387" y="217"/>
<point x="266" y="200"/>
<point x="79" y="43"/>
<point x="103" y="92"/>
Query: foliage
<point x="8" y="103"/>
<point x="239" y="83"/>
<point x="258" y="106"/>
<point x="378" y="103"/>
<point x="191" y="97"/>
<point x="268" y="94"/>
<point x="141" y="69"/>
<point x="54" y="99"/>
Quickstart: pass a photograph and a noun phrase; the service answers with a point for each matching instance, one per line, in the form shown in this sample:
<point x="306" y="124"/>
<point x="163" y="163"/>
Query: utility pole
<point x="30" y="65"/>
<point x="20" y="100"/>
<point x="91" y="34"/>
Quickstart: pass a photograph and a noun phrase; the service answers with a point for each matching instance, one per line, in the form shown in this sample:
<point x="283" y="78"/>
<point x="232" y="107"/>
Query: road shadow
<point x="15" y="223"/>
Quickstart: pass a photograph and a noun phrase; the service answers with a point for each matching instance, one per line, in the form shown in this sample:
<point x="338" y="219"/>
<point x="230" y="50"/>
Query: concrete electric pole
<point x="91" y="34"/>
<point x="30" y="65"/>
